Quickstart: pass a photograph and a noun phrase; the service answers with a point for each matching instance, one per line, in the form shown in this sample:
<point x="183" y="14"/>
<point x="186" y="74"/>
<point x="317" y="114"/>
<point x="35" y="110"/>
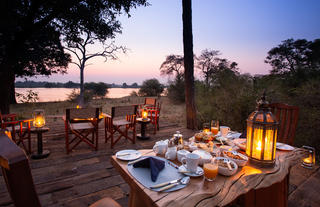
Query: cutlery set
<point x="170" y="184"/>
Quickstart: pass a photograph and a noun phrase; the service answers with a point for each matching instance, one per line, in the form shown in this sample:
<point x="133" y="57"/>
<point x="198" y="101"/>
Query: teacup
<point x="160" y="148"/>
<point x="171" y="153"/>
<point x="224" y="131"/>
<point x="181" y="154"/>
<point x="190" y="162"/>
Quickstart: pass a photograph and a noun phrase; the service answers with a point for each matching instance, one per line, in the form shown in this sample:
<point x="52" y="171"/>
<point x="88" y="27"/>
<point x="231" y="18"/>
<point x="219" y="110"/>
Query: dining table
<point x="249" y="186"/>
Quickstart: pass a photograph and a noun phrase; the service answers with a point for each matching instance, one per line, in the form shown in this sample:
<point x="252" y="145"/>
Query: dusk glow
<point x="243" y="31"/>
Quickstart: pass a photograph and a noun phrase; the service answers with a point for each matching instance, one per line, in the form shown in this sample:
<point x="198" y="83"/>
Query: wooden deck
<point x="84" y="176"/>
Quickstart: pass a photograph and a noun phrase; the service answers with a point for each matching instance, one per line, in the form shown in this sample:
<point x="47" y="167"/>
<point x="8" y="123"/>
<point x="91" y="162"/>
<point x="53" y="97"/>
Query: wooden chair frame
<point x="154" y="116"/>
<point x="18" y="178"/>
<point x="20" y="130"/>
<point x="287" y="117"/>
<point x="82" y="122"/>
<point x="17" y="174"/>
<point x="121" y="116"/>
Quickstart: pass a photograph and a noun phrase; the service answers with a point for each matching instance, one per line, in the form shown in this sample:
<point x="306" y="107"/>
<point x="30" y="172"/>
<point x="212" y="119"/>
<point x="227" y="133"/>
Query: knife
<point x="166" y="183"/>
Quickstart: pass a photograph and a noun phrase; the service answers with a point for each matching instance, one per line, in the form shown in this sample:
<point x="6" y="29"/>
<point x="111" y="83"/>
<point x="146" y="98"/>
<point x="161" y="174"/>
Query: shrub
<point x="230" y="101"/>
<point x="97" y="89"/>
<point x="176" y="91"/>
<point x="30" y="97"/>
<point x="151" y="87"/>
<point x="75" y="93"/>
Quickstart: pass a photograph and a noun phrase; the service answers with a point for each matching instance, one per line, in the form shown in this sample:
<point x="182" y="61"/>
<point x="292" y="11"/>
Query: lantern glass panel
<point x="38" y="118"/>
<point x="261" y="136"/>
<point x="144" y="114"/>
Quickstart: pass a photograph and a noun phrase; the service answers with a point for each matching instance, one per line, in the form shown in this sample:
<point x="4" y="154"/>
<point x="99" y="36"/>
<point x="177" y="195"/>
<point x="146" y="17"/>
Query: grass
<point x="169" y="111"/>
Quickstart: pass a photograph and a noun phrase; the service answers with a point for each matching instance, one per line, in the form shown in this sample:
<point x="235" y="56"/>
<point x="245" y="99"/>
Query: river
<point x="61" y="94"/>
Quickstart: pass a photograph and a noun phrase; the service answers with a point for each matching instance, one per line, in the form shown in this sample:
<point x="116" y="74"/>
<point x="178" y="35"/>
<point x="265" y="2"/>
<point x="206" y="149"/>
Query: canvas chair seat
<point x="122" y="119"/>
<point x="120" y="122"/>
<point x="81" y="123"/>
<point x="81" y="126"/>
<point x="16" y="128"/>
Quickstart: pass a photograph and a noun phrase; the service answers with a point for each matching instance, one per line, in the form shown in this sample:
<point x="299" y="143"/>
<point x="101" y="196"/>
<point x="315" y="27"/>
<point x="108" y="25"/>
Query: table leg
<point x="40" y="152"/>
<point x="143" y="134"/>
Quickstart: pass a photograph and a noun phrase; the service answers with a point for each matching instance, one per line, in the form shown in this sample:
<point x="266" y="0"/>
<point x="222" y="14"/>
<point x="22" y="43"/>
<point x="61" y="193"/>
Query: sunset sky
<point x="242" y="30"/>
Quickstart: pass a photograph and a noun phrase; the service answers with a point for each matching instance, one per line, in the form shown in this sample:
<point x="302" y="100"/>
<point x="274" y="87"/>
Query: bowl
<point x="237" y="157"/>
<point x="223" y="169"/>
<point x="205" y="156"/>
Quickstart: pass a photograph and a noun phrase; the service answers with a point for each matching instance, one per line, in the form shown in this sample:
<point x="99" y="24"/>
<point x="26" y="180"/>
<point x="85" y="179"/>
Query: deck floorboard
<point x="85" y="176"/>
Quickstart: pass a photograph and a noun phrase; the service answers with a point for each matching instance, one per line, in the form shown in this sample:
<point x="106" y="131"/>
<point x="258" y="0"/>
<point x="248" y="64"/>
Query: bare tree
<point x="173" y="65"/>
<point x="188" y="64"/>
<point x="82" y="55"/>
<point x="206" y="63"/>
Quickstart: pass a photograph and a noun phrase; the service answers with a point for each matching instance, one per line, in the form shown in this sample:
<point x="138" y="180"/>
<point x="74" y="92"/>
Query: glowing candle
<point x="38" y="118"/>
<point x="144" y="114"/>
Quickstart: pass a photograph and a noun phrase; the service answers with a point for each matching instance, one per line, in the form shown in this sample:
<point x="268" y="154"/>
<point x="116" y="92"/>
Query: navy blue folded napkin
<point x="154" y="164"/>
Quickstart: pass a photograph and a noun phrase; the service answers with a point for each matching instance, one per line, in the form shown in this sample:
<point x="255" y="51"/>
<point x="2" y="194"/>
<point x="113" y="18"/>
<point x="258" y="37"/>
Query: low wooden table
<point x="40" y="152"/>
<point x="250" y="186"/>
<point x="143" y="123"/>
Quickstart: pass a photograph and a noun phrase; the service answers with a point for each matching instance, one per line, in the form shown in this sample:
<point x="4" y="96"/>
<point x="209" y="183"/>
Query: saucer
<point x="199" y="170"/>
<point x="128" y="155"/>
<point x="284" y="147"/>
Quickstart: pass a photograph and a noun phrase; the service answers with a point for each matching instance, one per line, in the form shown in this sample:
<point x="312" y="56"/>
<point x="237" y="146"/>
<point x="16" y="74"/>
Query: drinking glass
<point x="210" y="170"/>
<point x="214" y="127"/>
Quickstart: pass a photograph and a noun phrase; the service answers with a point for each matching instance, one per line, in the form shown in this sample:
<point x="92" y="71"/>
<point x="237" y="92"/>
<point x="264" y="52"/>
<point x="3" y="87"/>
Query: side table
<point x="143" y="124"/>
<point x="40" y="153"/>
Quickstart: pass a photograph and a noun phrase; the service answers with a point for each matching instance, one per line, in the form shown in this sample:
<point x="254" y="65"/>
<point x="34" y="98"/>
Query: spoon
<point x="183" y="181"/>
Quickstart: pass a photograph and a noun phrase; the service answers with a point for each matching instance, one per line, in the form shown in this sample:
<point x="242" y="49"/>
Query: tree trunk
<point x="188" y="64"/>
<point x="7" y="78"/>
<point x="81" y="96"/>
<point x="13" y="93"/>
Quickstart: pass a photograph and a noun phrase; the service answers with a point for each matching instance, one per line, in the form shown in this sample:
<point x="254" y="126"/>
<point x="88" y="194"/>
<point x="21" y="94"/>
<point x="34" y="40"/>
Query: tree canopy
<point x="151" y="87"/>
<point x="31" y="33"/>
<point x="293" y="55"/>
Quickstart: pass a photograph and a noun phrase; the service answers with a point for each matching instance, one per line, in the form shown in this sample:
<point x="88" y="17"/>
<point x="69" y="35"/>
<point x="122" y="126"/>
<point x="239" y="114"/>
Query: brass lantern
<point x="262" y="128"/>
<point x="38" y="118"/>
<point x="144" y="114"/>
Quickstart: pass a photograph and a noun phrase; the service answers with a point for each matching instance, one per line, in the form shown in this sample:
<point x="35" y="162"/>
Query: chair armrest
<point x="6" y="123"/>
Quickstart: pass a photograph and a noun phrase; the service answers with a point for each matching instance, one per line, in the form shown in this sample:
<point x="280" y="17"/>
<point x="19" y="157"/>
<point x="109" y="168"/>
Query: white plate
<point x="199" y="169"/>
<point x="131" y="155"/>
<point x="204" y="155"/>
<point x="223" y="139"/>
<point x="284" y="147"/>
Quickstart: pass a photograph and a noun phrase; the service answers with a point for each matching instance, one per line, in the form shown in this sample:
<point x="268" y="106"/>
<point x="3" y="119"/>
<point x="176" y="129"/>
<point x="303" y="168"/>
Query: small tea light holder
<point x="309" y="162"/>
<point x="144" y="114"/>
<point x="38" y="118"/>
<point x="206" y="127"/>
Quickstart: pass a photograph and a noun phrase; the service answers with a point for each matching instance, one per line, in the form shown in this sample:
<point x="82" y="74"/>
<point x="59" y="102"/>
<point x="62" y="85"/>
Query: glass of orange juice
<point x="214" y="127"/>
<point x="210" y="170"/>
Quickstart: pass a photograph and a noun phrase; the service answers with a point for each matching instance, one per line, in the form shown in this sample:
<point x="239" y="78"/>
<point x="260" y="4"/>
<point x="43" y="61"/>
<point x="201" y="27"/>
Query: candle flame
<point x="78" y="107"/>
<point x="144" y="114"/>
<point x="259" y="146"/>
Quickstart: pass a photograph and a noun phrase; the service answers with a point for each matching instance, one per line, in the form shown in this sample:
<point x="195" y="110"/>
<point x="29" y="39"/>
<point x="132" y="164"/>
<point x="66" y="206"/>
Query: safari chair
<point x="154" y="115"/>
<point x="82" y="122"/>
<point x="19" y="130"/>
<point x="287" y="117"/>
<point x="148" y="102"/>
<point x="18" y="178"/>
<point x="122" y="119"/>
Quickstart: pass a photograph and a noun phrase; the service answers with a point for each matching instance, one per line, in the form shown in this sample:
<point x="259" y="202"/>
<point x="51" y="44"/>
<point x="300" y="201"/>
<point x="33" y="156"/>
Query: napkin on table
<point x="154" y="164"/>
